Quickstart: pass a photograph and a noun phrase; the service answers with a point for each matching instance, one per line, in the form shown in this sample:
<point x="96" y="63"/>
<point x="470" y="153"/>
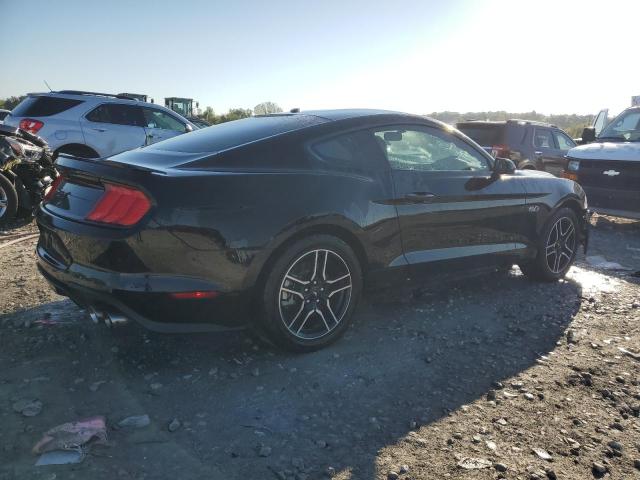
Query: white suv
<point x="95" y="125"/>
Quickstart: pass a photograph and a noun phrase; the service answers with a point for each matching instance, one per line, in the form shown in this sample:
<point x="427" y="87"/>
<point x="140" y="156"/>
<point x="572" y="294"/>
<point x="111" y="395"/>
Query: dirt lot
<point x="480" y="374"/>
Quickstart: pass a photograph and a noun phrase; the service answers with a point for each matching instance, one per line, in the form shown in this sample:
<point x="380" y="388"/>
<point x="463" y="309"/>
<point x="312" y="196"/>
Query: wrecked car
<point x="279" y="222"/>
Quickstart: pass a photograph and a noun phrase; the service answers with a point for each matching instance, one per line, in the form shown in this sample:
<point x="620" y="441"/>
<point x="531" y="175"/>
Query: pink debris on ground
<point x="73" y="435"/>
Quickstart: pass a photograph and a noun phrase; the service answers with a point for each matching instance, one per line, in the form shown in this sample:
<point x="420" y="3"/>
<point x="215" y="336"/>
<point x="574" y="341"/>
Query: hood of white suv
<point x="626" y="151"/>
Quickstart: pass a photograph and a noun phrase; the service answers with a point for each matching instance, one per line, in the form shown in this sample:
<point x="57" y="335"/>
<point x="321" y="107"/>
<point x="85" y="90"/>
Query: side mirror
<point x="188" y="128"/>
<point x="588" y="135"/>
<point x="503" y="165"/>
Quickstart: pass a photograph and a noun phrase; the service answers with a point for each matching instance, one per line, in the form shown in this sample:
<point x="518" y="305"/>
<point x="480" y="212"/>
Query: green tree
<point x="265" y="108"/>
<point x="11" y="102"/>
<point x="233" y="114"/>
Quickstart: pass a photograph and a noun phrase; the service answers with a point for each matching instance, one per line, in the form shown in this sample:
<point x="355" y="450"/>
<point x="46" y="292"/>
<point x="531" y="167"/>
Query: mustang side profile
<point x="284" y="219"/>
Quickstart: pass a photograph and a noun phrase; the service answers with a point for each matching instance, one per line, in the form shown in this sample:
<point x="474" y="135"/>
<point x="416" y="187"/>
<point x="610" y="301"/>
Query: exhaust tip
<point x="115" y="320"/>
<point x="108" y="318"/>
<point x="95" y="315"/>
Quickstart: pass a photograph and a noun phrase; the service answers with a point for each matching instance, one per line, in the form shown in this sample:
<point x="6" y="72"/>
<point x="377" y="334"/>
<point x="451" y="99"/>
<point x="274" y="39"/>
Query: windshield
<point x="625" y="127"/>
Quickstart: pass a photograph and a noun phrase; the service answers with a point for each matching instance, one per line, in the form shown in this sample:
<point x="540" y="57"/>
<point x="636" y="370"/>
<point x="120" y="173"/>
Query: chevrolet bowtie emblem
<point x="611" y="173"/>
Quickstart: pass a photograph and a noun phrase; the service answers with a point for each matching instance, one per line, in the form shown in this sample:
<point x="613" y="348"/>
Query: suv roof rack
<point x="531" y="122"/>
<point x="82" y="92"/>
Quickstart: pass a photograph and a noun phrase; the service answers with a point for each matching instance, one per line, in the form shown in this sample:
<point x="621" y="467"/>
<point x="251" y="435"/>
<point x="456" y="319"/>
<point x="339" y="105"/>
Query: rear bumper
<point x="144" y="298"/>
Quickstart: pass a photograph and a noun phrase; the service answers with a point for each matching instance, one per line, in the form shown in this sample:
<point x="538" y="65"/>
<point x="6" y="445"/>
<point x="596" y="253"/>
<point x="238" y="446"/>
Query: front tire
<point x="310" y="294"/>
<point x="8" y="201"/>
<point x="557" y="247"/>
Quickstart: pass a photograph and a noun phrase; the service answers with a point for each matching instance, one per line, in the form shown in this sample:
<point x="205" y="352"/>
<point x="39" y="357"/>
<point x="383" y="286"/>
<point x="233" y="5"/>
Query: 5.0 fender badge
<point x="611" y="173"/>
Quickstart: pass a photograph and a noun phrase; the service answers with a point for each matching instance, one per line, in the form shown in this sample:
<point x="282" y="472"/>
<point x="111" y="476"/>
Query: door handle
<point x="419" y="195"/>
<point x="537" y="154"/>
<point x="99" y="129"/>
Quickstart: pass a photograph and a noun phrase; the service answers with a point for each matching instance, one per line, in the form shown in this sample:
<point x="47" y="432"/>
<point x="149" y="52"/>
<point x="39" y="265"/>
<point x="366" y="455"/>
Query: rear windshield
<point x="483" y="135"/>
<point x="232" y="134"/>
<point x="43" y="106"/>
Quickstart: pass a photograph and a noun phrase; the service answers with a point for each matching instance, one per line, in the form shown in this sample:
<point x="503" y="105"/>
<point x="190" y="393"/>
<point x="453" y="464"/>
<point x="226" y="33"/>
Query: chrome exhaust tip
<point x="108" y="318"/>
<point x="115" y="320"/>
<point x="95" y="315"/>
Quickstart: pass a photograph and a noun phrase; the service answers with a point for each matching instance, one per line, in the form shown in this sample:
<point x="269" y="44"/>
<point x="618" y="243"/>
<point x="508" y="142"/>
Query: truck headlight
<point x="573" y="165"/>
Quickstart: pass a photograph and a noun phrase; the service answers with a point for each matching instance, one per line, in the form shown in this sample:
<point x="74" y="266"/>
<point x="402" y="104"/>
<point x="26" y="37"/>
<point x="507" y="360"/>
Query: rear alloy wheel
<point x="557" y="248"/>
<point x="311" y="293"/>
<point x="8" y="201"/>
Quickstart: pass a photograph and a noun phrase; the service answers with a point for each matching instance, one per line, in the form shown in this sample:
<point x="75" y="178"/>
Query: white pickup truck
<point x="608" y="168"/>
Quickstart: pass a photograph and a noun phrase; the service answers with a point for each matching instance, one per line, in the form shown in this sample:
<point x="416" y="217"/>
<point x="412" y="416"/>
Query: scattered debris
<point x="28" y="407"/>
<point x="60" y="457"/>
<point x="135" y="421"/>
<point x="264" y="451"/>
<point x="469" y="463"/>
<point x="174" y="425"/>
<point x="635" y="356"/>
<point x="543" y="454"/>
<point x="74" y="436"/>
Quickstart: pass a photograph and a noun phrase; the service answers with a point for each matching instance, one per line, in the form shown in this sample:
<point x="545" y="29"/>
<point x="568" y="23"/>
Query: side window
<point x="354" y="152"/>
<point x="542" y="138"/>
<point x="117" y="114"/>
<point x="409" y="148"/>
<point x="564" y="142"/>
<point x="158" y="119"/>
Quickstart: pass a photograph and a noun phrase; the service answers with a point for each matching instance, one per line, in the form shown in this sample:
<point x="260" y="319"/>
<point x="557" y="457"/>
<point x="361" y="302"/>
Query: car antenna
<point x="45" y="82"/>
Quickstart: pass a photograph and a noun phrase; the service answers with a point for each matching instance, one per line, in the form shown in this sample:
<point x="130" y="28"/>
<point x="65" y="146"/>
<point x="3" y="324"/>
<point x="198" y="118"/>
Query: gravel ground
<point x="495" y="377"/>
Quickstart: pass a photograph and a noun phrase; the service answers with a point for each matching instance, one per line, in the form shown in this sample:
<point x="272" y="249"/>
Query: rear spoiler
<point x="102" y="168"/>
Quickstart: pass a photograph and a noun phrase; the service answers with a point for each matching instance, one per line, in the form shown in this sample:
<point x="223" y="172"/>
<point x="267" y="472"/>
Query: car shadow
<point x="405" y="362"/>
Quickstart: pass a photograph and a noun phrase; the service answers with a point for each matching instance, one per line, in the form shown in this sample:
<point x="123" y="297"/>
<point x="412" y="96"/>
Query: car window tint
<point x="43" y="106"/>
<point x="354" y="151"/>
<point x="428" y="149"/>
<point x="564" y="142"/>
<point x="542" y="138"/>
<point x="238" y="132"/>
<point x="117" y="114"/>
<point x="486" y="135"/>
<point x="158" y="119"/>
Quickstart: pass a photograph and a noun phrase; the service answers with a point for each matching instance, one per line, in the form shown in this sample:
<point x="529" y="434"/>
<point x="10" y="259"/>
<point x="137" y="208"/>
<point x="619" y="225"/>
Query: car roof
<point x="347" y="113"/>
<point x="511" y="121"/>
<point x="82" y="95"/>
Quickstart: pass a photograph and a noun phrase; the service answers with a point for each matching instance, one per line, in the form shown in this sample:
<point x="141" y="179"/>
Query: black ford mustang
<point x="282" y="220"/>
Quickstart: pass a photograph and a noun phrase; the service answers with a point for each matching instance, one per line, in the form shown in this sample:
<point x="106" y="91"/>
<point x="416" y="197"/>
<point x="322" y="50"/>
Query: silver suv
<point x="95" y="125"/>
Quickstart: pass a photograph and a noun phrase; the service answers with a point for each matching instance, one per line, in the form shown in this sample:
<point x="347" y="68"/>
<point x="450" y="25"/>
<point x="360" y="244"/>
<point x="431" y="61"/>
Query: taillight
<point x="120" y="205"/>
<point x="31" y="125"/>
<point x="502" y="151"/>
<point x="48" y="195"/>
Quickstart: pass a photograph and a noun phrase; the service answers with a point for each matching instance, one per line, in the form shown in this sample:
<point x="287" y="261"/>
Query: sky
<point x="417" y="56"/>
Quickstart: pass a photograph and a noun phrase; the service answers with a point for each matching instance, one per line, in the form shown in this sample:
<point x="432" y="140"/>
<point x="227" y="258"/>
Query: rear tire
<point x="310" y="294"/>
<point x="8" y="201"/>
<point x="557" y="247"/>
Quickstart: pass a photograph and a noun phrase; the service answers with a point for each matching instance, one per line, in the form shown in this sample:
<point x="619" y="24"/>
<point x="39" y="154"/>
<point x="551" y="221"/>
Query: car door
<point x="112" y="128"/>
<point x="160" y="125"/>
<point x="451" y="207"/>
<point x="548" y="156"/>
<point x="564" y="143"/>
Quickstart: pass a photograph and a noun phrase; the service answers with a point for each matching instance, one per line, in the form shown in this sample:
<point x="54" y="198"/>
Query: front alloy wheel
<point x="561" y="245"/>
<point x="557" y="246"/>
